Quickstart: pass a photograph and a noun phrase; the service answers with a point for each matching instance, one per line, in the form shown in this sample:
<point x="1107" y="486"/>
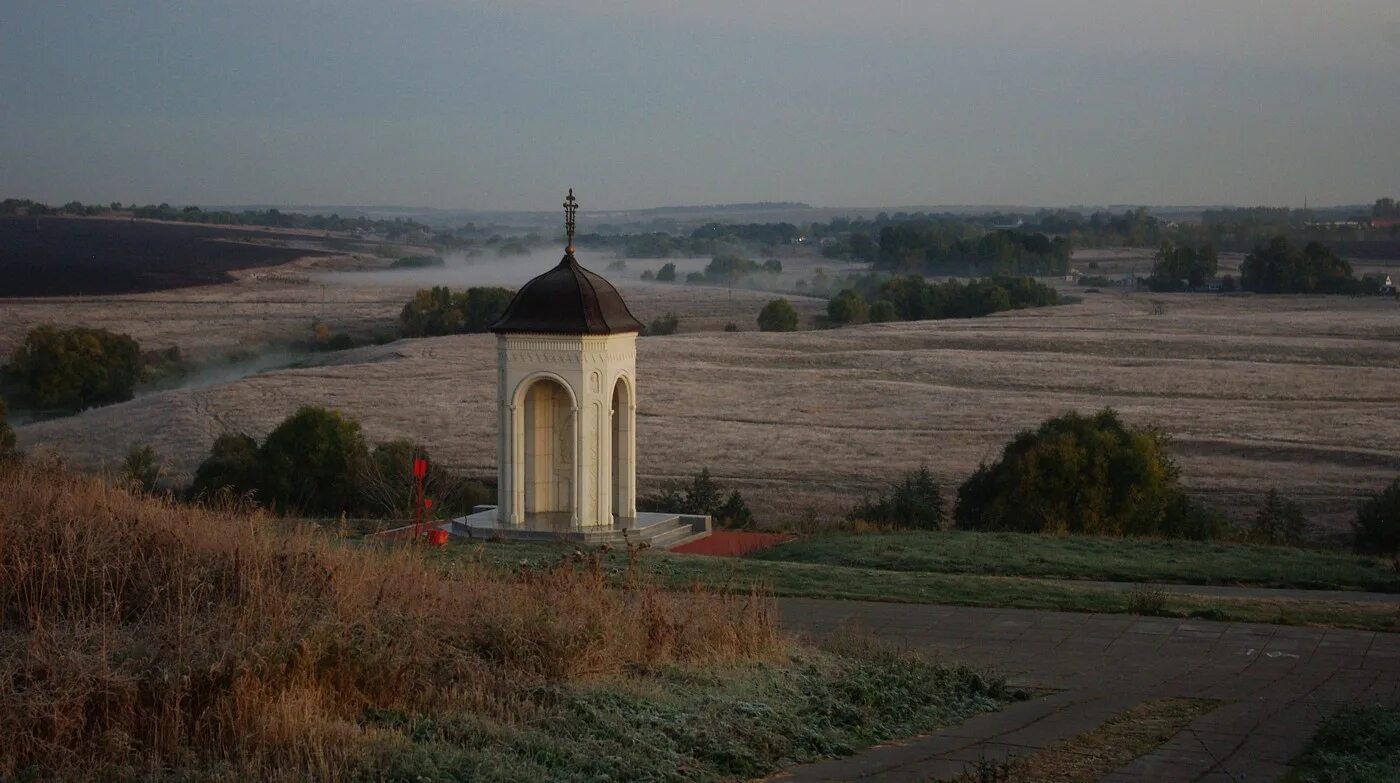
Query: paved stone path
<point x="1275" y="684"/>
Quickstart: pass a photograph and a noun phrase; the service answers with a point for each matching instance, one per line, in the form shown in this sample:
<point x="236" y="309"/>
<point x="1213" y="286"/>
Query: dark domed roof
<point x="568" y="299"/>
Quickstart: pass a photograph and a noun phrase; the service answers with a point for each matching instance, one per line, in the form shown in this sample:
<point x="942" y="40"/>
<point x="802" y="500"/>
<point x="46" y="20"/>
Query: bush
<point x="701" y="495"/>
<point x="667" y="273"/>
<point x="883" y="312"/>
<point x="731" y="327"/>
<point x="73" y="368"/>
<point x="7" y="433"/>
<point x="1278" y="521"/>
<point x="233" y="465"/>
<point x="1377" y="525"/>
<point x="666" y="324"/>
<point x="436" y="311"/>
<point x="778" y="316"/>
<point x="386" y="487"/>
<point x="311" y="462"/>
<point x="912" y="502"/>
<point x="1081" y="474"/>
<point x="847" y="307"/>
<point x="141" y="468"/>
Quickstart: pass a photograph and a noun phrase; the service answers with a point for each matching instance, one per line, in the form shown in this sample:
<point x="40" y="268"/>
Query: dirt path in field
<point x="1275" y="685"/>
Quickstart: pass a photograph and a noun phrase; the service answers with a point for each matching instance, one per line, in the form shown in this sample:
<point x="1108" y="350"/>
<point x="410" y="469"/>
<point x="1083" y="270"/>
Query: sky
<point x="503" y="105"/>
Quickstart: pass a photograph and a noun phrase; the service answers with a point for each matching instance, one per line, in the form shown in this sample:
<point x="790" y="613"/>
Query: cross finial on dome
<point x="570" y="207"/>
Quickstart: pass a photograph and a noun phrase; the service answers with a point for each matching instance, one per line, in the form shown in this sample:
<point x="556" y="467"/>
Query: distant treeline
<point x="1036" y="243"/>
<point x="912" y="298"/>
<point x="707" y="240"/>
<point x="940" y="249"/>
<point x="1276" y="266"/>
<point x="191" y="214"/>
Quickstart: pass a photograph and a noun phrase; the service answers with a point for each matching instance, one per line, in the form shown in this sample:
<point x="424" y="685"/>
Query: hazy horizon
<point x="500" y="106"/>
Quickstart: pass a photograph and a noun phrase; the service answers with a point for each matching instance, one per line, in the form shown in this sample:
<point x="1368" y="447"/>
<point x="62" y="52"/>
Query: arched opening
<point x="622" y="459"/>
<point x="548" y="430"/>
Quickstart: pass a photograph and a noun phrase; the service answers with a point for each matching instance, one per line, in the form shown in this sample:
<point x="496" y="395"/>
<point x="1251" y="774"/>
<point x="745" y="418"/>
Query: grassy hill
<point x="144" y="639"/>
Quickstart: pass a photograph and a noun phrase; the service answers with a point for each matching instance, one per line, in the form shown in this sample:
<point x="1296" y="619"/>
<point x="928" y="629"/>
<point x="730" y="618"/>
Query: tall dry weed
<point x="140" y="636"/>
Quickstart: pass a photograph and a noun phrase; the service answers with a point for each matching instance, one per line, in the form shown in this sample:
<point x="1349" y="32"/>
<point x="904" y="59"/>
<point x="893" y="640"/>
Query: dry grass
<point x="142" y="638"/>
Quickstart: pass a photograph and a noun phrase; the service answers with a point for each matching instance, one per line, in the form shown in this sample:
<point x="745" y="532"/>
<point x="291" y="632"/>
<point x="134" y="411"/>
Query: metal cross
<point x="570" y="207"/>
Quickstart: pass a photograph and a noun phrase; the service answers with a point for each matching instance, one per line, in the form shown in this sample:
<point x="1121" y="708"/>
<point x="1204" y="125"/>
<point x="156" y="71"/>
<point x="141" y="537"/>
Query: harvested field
<point x="1297" y="393"/>
<point x="268" y="309"/>
<point x="67" y="256"/>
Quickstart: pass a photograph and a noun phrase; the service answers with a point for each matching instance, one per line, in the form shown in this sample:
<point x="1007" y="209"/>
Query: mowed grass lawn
<point x="1093" y="558"/>
<point x="820" y="580"/>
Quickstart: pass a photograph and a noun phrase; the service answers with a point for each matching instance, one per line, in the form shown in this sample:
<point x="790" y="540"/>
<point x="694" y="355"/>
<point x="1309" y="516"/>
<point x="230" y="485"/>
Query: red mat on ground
<point x="732" y="543"/>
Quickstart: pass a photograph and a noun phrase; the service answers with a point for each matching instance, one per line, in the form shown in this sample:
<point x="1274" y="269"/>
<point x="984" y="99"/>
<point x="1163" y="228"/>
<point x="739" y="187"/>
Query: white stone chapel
<point x="566" y="405"/>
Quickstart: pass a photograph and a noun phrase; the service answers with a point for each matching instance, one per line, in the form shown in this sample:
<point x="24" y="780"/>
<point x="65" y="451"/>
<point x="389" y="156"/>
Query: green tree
<point x="667" y="273"/>
<point x="1279" y="267"/>
<point x="778" y="316"/>
<point x="734" y="512"/>
<point x="311" y="461"/>
<point x="437" y="311"/>
<point x="1377" y="525"/>
<point x="914" y="501"/>
<point x="883" y="311"/>
<point x="233" y="465"/>
<point x="1077" y="474"/>
<point x="847" y="307"/>
<point x="73" y="368"/>
<point x="1278" y="520"/>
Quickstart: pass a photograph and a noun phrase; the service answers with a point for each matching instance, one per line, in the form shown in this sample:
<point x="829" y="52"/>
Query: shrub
<point x="7" y="433"/>
<point x="667" y="273"/>
<point x="1278" y="521"/>
<point x="666" y="324"/>
<point x="701" y="495"/>
<point x="648" y="275"/>
<point x="847" y="307"/>
<point x="233" y="465"/>
<point x="141" y="468"/>
<point x="310" y="463"/>
<point x="1377" y="525"/>
<point x="386" y="486"/>
<point x="883" y="312"/>
<point x="778" y="316"/>
<point x="912" y="502"/>
<point x="731" y="327"/>
<point x="1080" y="474"/>
<point x="73" y="368"/>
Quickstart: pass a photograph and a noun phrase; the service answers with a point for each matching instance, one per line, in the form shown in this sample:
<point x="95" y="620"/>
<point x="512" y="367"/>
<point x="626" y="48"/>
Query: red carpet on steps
<point x="732" y="543"/>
